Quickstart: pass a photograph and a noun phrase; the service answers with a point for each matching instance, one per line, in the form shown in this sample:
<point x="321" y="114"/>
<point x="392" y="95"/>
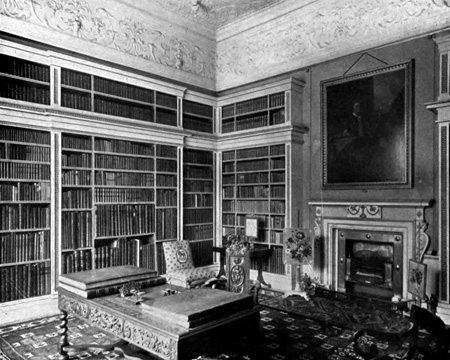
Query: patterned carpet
<point x="283" y="335"/>
<point x="346" y="313"/>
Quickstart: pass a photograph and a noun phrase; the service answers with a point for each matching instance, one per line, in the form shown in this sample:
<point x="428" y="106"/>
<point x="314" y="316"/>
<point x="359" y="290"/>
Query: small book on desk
<point x="106" y="281"/>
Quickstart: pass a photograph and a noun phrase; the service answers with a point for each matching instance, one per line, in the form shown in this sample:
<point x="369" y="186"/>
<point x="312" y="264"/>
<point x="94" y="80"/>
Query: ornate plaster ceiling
<point x="215" y="12"/>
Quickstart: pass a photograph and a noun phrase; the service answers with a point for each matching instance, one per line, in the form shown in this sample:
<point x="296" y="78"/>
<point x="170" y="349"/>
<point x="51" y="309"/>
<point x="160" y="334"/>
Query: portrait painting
<point x="366" y="129"/>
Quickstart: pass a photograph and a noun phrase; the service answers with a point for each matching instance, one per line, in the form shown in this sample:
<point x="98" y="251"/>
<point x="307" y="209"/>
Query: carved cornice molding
<point x="320" y="31"/>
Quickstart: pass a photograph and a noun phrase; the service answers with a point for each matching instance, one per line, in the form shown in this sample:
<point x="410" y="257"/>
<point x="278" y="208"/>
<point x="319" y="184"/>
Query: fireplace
<point x="364" y="248"/>
<point x="370" y="263"/>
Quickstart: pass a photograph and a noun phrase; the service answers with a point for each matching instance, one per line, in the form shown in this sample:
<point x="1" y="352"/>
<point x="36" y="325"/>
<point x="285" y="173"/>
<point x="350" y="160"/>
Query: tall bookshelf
<point x="254" y="183"/>
<point x="82" y="91"/>
<point x="198" y="117"/>
<point x="198" y="203"/>
<point x="76" y="203"/>
<point x="166" y="199"/>
<point x="25" y="219"/>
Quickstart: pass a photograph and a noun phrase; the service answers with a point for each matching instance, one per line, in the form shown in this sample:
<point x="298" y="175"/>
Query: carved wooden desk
<point x="162" y="328"/>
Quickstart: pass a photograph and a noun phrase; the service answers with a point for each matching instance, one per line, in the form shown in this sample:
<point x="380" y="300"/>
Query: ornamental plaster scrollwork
<point x="98" y="25"/>
<point x="310" y="33"/>
<point x="422" y="240"/>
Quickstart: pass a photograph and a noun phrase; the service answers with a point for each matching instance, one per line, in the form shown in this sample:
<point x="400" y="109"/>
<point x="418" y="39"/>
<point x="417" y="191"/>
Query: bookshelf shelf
<point x="25" y="216"/>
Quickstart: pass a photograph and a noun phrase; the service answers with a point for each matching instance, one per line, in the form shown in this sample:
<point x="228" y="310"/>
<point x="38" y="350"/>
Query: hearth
<point x="370" y="263"/>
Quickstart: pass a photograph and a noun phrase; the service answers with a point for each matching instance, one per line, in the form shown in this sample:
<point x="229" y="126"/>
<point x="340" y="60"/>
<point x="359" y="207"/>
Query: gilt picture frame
<point x="366" y="129"/>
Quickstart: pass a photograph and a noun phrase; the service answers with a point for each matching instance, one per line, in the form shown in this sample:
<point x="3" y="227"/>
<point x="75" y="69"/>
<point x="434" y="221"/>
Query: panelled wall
<point x="98" y="167"/>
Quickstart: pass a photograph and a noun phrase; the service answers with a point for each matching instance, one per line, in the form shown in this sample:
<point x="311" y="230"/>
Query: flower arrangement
<point x="298" y="247"/>
<point x="237" y="244"/>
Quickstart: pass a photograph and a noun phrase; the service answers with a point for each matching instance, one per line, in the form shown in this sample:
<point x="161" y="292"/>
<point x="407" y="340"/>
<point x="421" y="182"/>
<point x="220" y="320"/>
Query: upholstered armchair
<point x="180" y="269"/>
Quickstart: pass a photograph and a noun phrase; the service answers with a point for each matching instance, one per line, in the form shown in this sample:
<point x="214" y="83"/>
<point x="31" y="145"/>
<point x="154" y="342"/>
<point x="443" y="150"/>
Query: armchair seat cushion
<point x="190" y="276"/>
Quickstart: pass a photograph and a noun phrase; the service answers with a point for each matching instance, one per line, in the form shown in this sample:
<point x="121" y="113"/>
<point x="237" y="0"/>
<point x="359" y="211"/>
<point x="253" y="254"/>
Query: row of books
<point x="25" y="281"/>
<point x="199" y="186"/>
<point x="251" y="105"/>
<point x="247" y="206"/>
<point x="22" y="135"/>
<point x="118" y="220"/>
<point x="198" y="232"/>
<point x="28" y="153"/>
<point x="274" y="264"/>
<point x="197" y="172"/>
<point x="76" y="177"/>
<point x="252" y="165"/>
<point x="128" y="109"/>
<point x="198" y="216"/>
<point x="116" y="88"/>
<point x="77" y="142"/>
<point x="76" y="229"/>
<point x="124" y="162"/>
<point x="166" y="224"/>
<point x="246" y="192"/>
<point x="166" y="197"/>
<point x="76" y="198"/>
<point x="24" y="91"/>
<point x="123" y="195"/>
<point x="24" y="68"/>
<point x="170" y="101"/>
<point x="197" y="124"/>
<point x="194" y="156"/>
<point x="278" y="163"/>
<point x="124" y="147"/>
<point x="82" y="160"/>
<point x="251" y="122"/>
<point x="127" y="254"/>
<point x="110" y="178"/>
<point x="76" y="79"/>
<point x="24" y="191"/>
<point x="165" y="180"/>
<point x="278" y="207"/>
<point x="227" y="111"/>
<point x="278" y="191"/>
<point x="75" y="261"/>
<point x="227" y="126"/>
<point x="197" y="108"/>
<point x="252" y="178"/>
<point x="277" y="117"/>
<point x="198" y="200"/>
<point x="252" y="153"/>
<point x="278" y="177"/>
<point x="166" y="165"/>
<point x="21" y="247"/>
<point x="276" y="100"/>
<point x="166" y="117"/>
<point x="167" y="151"/>
<point x="277" y="237"/>
<point x="24" y="216"/>
<point x="11" y="170"/>
<point x="76" y="100"/>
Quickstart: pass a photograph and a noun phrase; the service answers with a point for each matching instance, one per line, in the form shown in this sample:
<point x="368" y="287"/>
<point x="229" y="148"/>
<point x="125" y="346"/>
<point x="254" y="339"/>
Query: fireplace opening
<point x="370" y="263"/>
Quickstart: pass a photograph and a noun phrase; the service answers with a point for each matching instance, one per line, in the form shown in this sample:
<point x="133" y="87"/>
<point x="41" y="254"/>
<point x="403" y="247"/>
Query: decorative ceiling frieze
<point x="320" y="31"/>
<point x="119" y="29"/>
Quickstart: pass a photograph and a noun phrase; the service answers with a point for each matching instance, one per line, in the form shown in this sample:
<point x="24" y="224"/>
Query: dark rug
<point x="282" y="335"/>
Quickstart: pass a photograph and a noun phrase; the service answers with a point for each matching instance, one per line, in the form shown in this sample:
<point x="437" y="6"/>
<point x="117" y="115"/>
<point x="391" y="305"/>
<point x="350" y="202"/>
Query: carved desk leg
<point x="63" y="342"/>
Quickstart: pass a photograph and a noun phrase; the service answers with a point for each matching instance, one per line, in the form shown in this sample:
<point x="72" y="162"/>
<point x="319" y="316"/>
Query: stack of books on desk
<point x="107" y="281"/>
